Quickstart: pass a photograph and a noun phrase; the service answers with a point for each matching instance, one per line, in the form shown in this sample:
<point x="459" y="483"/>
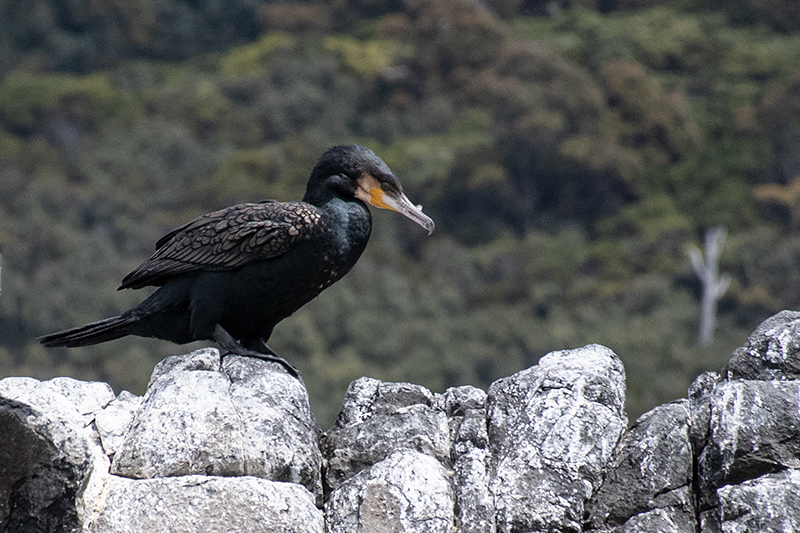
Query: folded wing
<point x="227" y="239"/>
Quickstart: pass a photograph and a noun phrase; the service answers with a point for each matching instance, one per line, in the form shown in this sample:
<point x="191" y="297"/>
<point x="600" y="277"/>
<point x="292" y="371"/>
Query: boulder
<point x="77" y="458"/>
<point x="388" y="459"/>
<point x="379" y="418"/>
<point x="407" y="491"/>
<point x="754" y="429"/>
<point x="772" y="351"/>
<point x="48" y="451"/>
<point x="466" y="409"/>
<point x="113" y="422"/>
<point x="768" y="503"/>
<point x="648" y="484"/>
<point x="238" y="417"/>
<point x="207" y="504"/>
<point x="747" y="433"/>
<point x="552" y="430"/>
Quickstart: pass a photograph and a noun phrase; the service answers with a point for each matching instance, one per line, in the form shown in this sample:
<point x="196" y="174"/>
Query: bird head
<point x="358" y="172"/>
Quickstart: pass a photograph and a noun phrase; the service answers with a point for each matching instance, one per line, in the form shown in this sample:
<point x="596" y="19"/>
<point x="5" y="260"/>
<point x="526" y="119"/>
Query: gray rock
<point x="700" y="393"/>
<point x="772" y="351"/>
<point x="767" y="504"/>
<point x="115" y="419"/>
<point x="47" y="451"/>
<point x="662" y="520"/>
<point x="245" y="417"/>
<point x="281" y="434"/>
<point x="88" y="397"/>
<point x="466" y="408"/>
<point x="378" y="418"/>
<point x="475" y="510"/>
<point x="204" y="504"/>
<point x="649" y="480"/>
<point x="709" y="521"/>
<point x="407" y="492"/>
<point x="187" y="423"/>
<point x="460" y="400"/>
<point x="552" y="429"/>
<point x="546" y="450"/>
<point x="754" y="429"/>
<point x="746" y="433"/>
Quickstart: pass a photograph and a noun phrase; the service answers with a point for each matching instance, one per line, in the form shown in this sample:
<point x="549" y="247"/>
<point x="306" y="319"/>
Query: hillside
<point x="569" y="156"/>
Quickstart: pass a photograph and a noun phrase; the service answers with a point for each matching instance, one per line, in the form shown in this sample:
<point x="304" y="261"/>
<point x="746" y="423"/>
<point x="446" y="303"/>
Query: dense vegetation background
<point x="569" y="152"/>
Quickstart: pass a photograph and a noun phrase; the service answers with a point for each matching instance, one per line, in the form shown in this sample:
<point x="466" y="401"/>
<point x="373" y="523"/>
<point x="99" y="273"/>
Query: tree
<point x="714" y="285"/>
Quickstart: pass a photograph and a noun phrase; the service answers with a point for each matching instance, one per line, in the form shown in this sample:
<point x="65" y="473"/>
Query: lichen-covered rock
<point x="379" y="418"/>
<point x="700" y="393"/>
<point x="649" y="480"/>
<point x="243" y="417"/>
<point x="204" y="504"/>
<point x="115" y="419"/>
<point x="187" y="423"/>
<point x="88" y="397"/>
<point x="466" y="410"/>
<point x="767" y="504"/>
<point x="407" y="492"/>
<point x="552" y="429"/>
<point x="746" y="433"/>
<point x="772" y="351"/>
<point x="545" y="451"/>
<point x="754" y="429"/>
<point x="280" y="433"/>
<point x="47" y="451"/>
<point x="661" y="520"/>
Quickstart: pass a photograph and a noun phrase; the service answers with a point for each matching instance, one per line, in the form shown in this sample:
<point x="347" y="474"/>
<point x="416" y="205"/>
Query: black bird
<point x="230" y="276"/>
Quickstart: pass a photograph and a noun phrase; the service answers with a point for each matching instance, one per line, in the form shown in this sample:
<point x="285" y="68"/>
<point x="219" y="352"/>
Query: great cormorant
<point x="230" y="276"/>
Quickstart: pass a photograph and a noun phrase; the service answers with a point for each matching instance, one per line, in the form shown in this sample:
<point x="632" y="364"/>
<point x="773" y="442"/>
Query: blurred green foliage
<point x="568" y="159"/>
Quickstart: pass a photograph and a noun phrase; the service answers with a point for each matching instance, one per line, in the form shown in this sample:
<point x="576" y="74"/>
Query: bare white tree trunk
<point x="714" y="285"/>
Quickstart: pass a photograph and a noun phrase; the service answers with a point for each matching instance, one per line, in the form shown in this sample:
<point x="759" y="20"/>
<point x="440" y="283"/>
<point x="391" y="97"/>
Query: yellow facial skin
<point x="370" y="191"/>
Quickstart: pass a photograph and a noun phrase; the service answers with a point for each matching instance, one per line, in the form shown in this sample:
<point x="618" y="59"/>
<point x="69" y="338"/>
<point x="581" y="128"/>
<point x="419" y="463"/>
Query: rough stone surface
<point x="204" y="504"/>
<point x="772" y="351"/>
<point x="552" y="429"/>
<point x="408" y="491"/>
<point x="700" y="393"/>
<point x="767" y="504"/>
<point x="242" y="417"/>
<point x="378" y="418"/>
<point x="47" y="451"/>
<point x="546" y="450"/>
<point x="114" y="421"/>
<point x="662" y="520"/>
<point x="466" y="408"/>
<point x="88" y="397"/>
<point x="754" y="429"/>
<point x="650" y="475"/>
<point x="746" y="434"/>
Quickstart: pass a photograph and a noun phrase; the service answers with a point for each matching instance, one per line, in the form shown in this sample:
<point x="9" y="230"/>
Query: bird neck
<point x="321" y="190"/>
<point x="350" y="224"/>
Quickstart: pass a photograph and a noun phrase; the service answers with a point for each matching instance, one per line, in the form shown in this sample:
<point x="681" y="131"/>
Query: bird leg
<point x="227" y="342"/>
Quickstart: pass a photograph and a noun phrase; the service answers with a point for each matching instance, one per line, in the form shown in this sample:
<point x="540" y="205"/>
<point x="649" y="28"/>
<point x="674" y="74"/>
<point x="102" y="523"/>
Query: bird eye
<point x="385" y="186"/>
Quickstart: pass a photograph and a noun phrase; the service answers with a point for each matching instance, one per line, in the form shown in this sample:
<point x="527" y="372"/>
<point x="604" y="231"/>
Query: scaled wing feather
<point x="226" y="239"/>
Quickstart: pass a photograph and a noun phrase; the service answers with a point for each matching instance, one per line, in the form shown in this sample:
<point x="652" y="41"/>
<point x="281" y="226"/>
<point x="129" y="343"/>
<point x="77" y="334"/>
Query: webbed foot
<point x="264" y="352"/>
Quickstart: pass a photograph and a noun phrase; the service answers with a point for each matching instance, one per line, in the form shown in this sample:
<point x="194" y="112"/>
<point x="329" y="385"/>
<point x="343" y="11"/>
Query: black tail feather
<point x="94" y="333"/>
